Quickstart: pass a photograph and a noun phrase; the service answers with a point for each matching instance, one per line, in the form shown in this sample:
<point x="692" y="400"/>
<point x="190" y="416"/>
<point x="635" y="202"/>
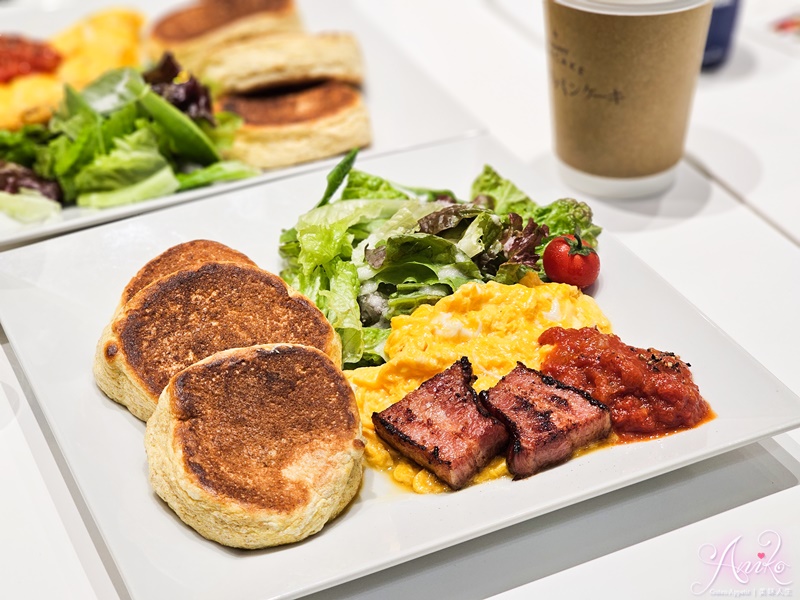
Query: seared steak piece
<point x="442" y="426"/>
<point x="548" y="420"/>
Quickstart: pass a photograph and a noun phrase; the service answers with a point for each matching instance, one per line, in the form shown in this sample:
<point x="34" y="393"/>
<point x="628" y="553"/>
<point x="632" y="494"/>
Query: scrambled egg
<point x="494" y="325"/>
<point x="105" y="40"/>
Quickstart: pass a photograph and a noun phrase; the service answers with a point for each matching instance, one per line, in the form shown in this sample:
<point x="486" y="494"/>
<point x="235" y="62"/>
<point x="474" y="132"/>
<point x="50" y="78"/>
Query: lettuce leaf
<point x="181" y="89"/>
<point x="340" y="302"/>
<point x="409" y="296"/>
<point x="160" y="183"/>
<point x="224" y="170"/>
<point x="482" y="234"/>
<point x="374" y="341"/>
<point x="186" y="138"/>
<point x="28" y="206"/>
<point x="65" y="155"/>
<point x="507" y="197"/>
<point x="425" y="258"/>
<point x="15" y="178"/>
<point x="563" y="216"/>
<point x="135" y="157"/>
<point x="324" y="233"/>
<point x="120" y="123"/>
<point x="21" y="146"/>
<point x="337" y="176"/>
<point x="223" y="133"/>
<point x="363" y="185"/>
<point x="405" y="220"/>
<point x="110" y="92"/>
<point x="448" y="217"/>
<point x="567" y="215"/>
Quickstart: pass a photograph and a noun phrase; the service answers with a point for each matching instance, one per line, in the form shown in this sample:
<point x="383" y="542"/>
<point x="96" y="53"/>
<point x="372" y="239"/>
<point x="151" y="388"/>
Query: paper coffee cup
<point x="622" y="78"/>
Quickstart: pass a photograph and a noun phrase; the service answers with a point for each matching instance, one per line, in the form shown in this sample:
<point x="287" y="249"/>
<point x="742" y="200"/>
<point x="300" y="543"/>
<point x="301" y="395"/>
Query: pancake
<point x="287" y="127"/>
<point x="194" y="31"/>
<point x="182" y="256"/>
<point x="189" y="315"/>
<point x="283" y="59"/>
<point x="256" y="447"/>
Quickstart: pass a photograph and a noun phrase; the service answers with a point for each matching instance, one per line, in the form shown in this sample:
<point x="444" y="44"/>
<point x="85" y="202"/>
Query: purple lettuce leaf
<point x="181" y="89"/>
<point x="14" y="177"/>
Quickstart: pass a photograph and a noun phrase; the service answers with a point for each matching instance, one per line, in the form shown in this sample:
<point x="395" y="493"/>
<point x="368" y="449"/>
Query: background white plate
<point x="56" y="296"/>
<point x="406" y="108"/>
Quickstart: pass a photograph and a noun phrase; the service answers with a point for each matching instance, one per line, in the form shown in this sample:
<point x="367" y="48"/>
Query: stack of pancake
<point x="297" y="92"/>
<point x="253" y="435"/>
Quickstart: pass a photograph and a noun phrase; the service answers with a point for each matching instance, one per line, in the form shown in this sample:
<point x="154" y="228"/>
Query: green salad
<point x="127" y="137"/>
<point x="381" y="249"/>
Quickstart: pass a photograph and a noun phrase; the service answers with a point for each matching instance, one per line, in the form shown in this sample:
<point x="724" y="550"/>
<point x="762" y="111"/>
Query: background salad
<point x="124" y="138"/>
<point x="381" y="249"/>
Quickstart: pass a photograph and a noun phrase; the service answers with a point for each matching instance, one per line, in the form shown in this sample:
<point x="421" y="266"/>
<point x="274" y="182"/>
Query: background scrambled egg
<point x="105" y="40"/>
<point x="494" y="325"/>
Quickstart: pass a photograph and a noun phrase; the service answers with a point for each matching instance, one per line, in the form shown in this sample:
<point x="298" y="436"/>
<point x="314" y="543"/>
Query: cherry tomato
<point x="567" y="259"/>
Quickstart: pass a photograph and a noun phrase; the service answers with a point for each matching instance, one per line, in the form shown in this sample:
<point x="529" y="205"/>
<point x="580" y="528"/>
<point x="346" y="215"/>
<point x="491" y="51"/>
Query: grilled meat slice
<point x="442" y="426"/>
<point x="548" y="420"/>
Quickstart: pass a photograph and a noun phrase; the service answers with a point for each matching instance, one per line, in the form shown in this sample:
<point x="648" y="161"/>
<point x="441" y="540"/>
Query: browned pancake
<point x="191" y="314"/>
<point x="245" y="419"/>
<point x="256" y="447"/>
<point x="292" y="106"/>
<point x="194" y="20"/>
<point x="183" y="256"/>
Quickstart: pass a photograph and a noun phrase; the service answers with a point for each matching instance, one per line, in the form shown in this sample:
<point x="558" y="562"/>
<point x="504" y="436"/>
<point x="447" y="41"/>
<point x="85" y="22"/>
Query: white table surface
<point x="689" y="554"/>
<point x="727" y="237"/>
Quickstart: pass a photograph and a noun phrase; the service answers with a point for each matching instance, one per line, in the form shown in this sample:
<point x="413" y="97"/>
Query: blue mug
<point x="720" y="33"/>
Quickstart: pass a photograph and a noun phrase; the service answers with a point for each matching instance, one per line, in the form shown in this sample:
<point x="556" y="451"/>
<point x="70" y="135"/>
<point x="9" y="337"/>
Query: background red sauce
<point x="21" y="56"/>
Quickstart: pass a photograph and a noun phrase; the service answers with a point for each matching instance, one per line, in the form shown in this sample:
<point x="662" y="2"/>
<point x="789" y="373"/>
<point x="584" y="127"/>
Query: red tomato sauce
<point x="649" y="392"/>
<point x="21" y="56"/>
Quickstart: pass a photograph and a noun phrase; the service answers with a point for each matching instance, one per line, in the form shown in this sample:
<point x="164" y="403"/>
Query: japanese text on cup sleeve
<point x="569" y="79"/>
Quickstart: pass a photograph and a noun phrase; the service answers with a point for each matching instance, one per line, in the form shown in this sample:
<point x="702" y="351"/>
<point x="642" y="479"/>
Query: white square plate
<point x="56" y="296"/>
<point x="406" y="108"/>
